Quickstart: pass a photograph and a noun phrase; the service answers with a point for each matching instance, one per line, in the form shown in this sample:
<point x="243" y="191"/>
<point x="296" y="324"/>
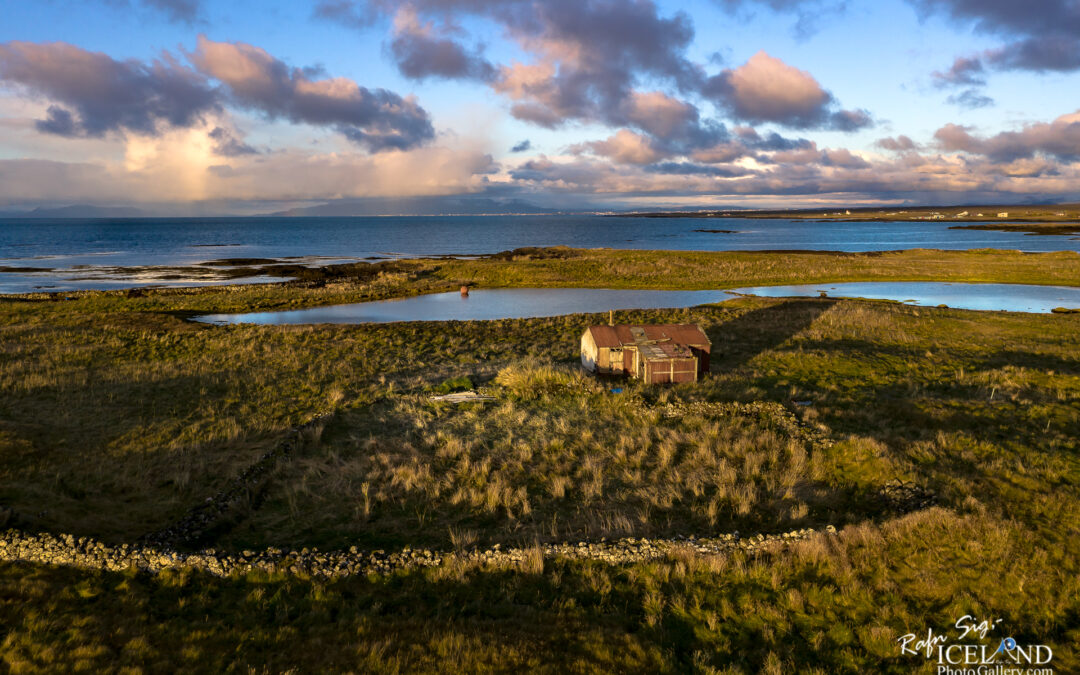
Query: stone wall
<point x="83" y="552"/>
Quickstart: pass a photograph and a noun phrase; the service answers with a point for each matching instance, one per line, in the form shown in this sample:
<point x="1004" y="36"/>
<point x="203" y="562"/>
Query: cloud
<point x="817" y="176"/>
<point x="1038" y="53"/>
<point x="691" y="169"/>
<point x="187" y="12"/>
<point x="900" y="143"/>
<point x="180" y="11"/>
<point x="96" y="94"/>
<point x="346" y="12"/>
<point x="588" y="59"/>
<point x="1059" y="138"/>
<point x="619" y="63"/>
<point x="58" y="121"/>
<point x="1038" y="161"/>
<point x="590" y="55"/>
<point x="421" y="50"/>
<point x="624" y="147"/>
<point x="182" y="166"/>
<point x="844" y="158"/>
<point x="747" y="142"/>
<point x="765" y="89"/>
<point x="811" y="155"/>
<point x="228" y="145"/>
<point x="676" y="124"/>
<point x="1008" y="17"/>
<point x="970" y="98"/>
<point x="522" y="146"/>
<point x="1042" y="35"/>
<point x="376" y="119"/>
<point x="965" y="71"/>
<point x="807" y="12"/>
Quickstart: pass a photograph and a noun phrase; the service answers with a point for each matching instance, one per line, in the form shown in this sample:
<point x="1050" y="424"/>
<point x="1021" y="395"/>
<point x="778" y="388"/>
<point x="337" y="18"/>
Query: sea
<point x="72" y="254"/>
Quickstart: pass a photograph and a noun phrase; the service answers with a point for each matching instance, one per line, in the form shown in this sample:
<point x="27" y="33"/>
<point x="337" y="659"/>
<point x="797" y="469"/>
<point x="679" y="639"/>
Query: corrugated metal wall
<point x="670" y="370"/>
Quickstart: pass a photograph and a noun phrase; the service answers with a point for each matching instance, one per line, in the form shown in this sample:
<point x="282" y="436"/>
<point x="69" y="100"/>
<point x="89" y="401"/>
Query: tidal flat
<point x="119" y="415"/>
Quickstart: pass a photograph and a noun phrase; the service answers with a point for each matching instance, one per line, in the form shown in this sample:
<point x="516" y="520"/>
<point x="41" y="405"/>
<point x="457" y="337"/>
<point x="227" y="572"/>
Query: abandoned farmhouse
<point x="654" y="354"/>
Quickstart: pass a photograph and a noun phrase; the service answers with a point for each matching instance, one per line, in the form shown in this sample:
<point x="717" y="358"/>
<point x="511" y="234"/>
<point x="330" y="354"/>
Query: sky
<point x="240" y="107"/>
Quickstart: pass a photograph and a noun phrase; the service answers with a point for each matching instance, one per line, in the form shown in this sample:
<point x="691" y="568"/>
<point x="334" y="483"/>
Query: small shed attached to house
<point x="653" y="353"/>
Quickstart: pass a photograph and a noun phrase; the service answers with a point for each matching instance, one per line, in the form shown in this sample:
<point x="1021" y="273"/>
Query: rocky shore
<point x="83" y="552"/>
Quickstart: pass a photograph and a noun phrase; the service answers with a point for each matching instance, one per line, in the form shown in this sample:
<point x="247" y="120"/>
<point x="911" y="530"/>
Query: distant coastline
<point x="1065" y="216"/>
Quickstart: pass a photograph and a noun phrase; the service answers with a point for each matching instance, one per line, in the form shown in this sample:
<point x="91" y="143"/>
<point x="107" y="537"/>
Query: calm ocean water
<point x="87" y="253"/>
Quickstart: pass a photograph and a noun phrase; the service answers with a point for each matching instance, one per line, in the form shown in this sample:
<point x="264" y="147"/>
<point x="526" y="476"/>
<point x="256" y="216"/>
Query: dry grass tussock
<point x="556" y="457"/>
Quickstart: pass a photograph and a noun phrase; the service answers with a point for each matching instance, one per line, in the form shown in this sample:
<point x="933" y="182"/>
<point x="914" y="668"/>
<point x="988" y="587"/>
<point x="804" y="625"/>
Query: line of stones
<point x="83" y="552"/>
<point x="199" y="521"/>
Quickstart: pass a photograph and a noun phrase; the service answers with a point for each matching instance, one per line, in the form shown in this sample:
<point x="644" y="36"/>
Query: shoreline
<point x="1052" y="214"/>
<point x="562" y="267"/>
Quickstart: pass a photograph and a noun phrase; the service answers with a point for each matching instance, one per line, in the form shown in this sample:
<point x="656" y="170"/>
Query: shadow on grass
<point x="737" y="341"/>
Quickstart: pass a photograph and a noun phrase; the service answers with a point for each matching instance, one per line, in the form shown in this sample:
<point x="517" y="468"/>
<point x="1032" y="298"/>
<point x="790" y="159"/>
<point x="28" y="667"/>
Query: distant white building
<point x="1003" y="214"/>
<point x="962" y="214"/>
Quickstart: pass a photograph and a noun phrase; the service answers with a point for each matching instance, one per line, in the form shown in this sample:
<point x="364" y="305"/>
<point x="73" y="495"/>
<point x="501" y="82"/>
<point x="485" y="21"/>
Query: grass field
<point x="117" y="415"/>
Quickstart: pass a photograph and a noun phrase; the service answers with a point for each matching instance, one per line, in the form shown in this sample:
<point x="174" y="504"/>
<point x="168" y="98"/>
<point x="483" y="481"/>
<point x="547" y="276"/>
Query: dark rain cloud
<point x="523" y="146"/>
<point x="1041" y="53"/>
<point x="1009" y="17"/>
<point x="1041" y="35"/>
<point x="423" y="50"/>
<point x="94" y="94"/>
<point x="592" y="60"/>
<point x="691" y="169"/>
<point x="227" y="144"/>
<point x="771" y="142"/>
<point x="591" y="57"/>
<point x="58" y="121"/>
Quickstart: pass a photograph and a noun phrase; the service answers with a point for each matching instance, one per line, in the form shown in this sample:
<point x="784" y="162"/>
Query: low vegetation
<point x="557" y="457"/>
<point x="117" y="415"/>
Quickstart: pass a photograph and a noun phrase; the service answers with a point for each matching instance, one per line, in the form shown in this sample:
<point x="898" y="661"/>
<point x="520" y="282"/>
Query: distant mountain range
<point x="79" y="211"/>
<point x="417" y="206"/>
<point x="376" y="206"/>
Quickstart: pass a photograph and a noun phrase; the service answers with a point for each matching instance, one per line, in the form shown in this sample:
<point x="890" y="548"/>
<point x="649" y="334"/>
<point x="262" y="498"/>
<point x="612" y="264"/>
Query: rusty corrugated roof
<point x="605" y="336"/>
<point x="624" y="334"/>
<point x="665" y="350"/>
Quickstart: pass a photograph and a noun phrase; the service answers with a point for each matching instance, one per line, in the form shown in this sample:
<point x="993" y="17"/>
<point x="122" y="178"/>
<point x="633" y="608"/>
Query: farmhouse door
<point x="615" y="360"/>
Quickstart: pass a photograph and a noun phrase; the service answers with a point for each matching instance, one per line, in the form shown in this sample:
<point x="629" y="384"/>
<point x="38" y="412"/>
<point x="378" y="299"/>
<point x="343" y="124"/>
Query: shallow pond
<point x="1007" y="297"/>
<point x="521" y="303"/>
<point x="480" y="304"/>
